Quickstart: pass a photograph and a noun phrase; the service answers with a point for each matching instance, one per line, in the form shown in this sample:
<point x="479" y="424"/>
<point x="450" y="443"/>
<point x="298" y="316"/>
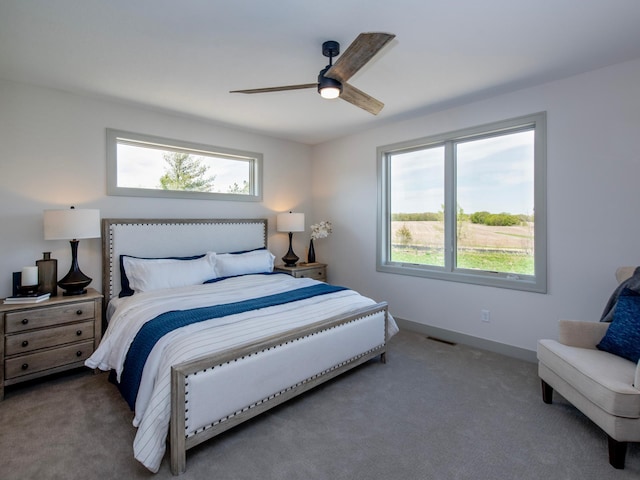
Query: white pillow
<point x="256" y="261"/>
<point x="147" y="274"/>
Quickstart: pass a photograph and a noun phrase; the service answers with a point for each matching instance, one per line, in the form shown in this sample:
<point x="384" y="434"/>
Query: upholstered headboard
<point x="171" y="238"/>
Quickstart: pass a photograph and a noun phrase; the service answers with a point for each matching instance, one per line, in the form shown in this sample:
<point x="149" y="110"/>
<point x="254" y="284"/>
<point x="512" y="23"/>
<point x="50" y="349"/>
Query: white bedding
<point x="152" y="408"/>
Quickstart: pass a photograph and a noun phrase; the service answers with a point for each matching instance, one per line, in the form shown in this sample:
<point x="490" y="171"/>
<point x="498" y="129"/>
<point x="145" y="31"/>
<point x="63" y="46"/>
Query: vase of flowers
<point x="318" y="230"/>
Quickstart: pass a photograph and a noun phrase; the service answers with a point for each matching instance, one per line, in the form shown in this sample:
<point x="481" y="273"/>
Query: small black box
<point x="17" y="280"/>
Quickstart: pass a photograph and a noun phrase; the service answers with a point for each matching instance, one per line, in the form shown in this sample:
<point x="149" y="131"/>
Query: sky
<point x="492" y="174"/>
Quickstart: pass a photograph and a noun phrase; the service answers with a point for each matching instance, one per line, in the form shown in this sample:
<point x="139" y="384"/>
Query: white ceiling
<point x="184" y="56"/>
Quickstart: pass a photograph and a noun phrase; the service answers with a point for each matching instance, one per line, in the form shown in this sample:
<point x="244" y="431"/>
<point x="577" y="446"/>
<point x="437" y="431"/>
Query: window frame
<point x="532" y="283"/>
<point x="114" y="137"/>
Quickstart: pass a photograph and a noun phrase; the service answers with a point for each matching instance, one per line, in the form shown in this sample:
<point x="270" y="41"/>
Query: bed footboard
<point x="213" y="394"/>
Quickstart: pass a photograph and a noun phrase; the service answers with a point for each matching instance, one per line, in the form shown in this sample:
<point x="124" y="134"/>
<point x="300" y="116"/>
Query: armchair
<point x="603" y="386"/>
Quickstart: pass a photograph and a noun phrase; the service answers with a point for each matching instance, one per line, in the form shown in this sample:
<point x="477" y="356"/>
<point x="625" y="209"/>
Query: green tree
<point x="480" y="217"/>
<point x="184" y="172"/>
<point x="404" y="236"/>
<point x="462" y="217"/>
<point x="496" y="219"/>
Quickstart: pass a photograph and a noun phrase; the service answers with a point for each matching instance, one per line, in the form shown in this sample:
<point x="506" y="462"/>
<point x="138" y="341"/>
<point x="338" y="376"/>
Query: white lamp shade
<point x="72" y="223"/>
<point x="290" y="222"/>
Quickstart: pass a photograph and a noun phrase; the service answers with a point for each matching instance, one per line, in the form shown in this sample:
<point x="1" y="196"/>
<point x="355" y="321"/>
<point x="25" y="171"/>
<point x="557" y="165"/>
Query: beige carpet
<point x="434" y="411"/>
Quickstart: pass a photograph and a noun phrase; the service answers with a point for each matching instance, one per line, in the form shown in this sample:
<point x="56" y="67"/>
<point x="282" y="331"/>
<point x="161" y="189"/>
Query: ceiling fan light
<point x="329" y="92"/>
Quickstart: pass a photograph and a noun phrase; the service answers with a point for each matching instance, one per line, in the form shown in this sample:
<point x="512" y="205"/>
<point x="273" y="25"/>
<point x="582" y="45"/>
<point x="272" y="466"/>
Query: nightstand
<point x="39" y="339"/>
<point x="317" y="271"/>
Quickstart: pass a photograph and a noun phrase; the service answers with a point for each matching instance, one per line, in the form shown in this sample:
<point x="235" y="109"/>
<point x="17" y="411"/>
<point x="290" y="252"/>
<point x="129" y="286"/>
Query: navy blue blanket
<point x="155" y="329"/>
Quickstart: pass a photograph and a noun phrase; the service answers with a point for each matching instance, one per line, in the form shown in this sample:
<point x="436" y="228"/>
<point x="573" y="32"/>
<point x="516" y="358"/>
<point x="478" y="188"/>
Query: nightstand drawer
<point x="44" y="360"/>
<point x="50" y="337"/>
<point x="44" y="317"/>
<point x="319" y="273"/>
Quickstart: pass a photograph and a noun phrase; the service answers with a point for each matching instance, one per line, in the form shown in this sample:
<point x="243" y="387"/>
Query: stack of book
<point x="27" y="298"/>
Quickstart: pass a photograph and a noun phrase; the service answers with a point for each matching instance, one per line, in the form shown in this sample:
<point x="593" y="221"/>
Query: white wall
<point x="593" y="227"/>
<point x="52" y="155"/>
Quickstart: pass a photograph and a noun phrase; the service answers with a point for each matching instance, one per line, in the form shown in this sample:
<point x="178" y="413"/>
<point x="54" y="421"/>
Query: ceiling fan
<point x="332" y="80"/>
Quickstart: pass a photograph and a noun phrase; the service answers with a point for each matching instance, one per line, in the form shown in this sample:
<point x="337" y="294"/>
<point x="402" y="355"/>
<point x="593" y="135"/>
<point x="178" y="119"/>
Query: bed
<point x="234" y="345"/>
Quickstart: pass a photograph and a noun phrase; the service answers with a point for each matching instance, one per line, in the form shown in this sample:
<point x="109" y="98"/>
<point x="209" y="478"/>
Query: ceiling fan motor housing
<point x="330" y="49"/>
<point x="326" y="82"/>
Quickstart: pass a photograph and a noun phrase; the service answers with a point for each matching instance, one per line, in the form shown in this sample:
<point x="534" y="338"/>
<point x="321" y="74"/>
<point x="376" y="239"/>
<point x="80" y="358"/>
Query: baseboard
<point x="475" y="342"/>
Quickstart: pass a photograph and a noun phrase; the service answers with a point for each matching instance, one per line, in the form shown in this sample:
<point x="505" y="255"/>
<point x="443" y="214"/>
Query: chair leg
<point x="547" y="392"/>
<point x="617" y="453"/>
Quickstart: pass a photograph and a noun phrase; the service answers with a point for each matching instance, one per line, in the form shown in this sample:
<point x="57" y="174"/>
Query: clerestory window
<point x="144" y="165"/>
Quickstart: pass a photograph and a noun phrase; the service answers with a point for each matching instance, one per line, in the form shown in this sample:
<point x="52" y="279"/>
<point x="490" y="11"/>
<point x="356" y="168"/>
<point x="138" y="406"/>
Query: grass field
<point x="481" y="247"/>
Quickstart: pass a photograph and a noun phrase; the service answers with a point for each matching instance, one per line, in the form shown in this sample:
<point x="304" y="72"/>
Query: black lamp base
<point x="290" y="259"/>
<point x="67" y="293"/>
<point x="74" y="282"/>
<point x="73" y="291"/>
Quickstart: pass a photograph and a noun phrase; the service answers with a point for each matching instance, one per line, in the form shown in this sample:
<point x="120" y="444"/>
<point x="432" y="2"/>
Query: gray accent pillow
<point x="632" y="283"/>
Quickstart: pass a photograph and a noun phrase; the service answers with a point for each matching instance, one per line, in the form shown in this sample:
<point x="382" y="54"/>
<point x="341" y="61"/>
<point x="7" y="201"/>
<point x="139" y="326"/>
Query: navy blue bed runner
<point x="155" y="329"/>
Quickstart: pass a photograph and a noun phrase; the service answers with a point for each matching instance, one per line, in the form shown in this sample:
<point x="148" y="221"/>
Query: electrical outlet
<point x="485" y="315"/>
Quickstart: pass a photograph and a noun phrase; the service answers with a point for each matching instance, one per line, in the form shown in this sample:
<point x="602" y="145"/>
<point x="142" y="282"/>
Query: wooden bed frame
<point x="180" y="237"/>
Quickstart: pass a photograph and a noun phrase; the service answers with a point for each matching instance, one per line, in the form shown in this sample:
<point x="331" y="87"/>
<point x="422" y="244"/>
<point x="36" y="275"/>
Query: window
<point x="467" y="206"/>
<point x="142" y="165"/>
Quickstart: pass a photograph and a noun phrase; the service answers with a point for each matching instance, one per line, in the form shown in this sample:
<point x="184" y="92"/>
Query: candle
<point x="29" y="276"/>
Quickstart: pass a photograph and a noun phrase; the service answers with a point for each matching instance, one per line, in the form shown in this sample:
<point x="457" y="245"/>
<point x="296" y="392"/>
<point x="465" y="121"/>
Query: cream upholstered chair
<point x="603" y="386"/>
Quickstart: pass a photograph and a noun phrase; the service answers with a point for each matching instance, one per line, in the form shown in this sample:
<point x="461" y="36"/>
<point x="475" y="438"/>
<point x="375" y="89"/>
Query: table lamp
<point x="290" y="222"/>
<point x="72" y="224"/>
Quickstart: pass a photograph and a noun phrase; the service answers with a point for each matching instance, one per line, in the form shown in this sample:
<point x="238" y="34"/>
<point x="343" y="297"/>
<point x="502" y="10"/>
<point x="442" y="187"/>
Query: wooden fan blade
<point x="277" y="89"/>
<point x="360" y="99"/>
<point x="363" y="49"/>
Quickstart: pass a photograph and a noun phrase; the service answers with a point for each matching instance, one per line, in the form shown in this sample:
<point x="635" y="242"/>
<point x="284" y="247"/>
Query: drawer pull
<point x="78" y="332"/>
<point x="25" y="343"/>
<point x="79" y="353"/>
<point x="78" y="312"/>
<point x="25" y="321"/>
<point x="25" y="366"/>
